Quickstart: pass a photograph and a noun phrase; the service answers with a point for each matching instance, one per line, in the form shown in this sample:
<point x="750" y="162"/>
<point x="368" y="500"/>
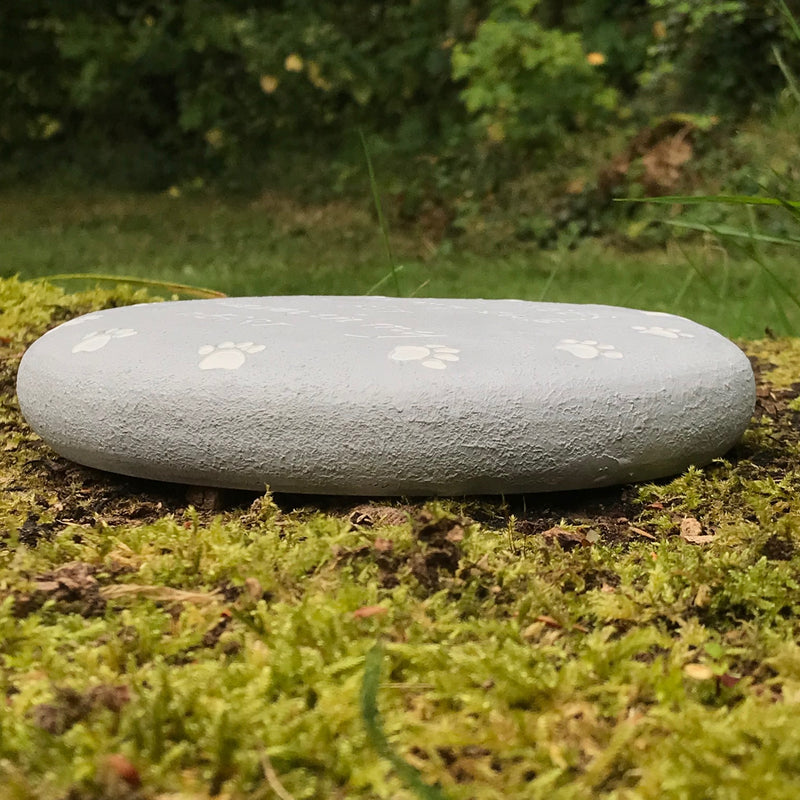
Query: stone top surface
<point x="386" y="395"/>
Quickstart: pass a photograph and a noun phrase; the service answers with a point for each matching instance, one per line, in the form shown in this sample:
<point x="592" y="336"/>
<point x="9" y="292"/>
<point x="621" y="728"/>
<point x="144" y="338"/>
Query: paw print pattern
<point x="666" y="333"/>
<point x="432" y="356"/>
<point x="588" y="348"/>
<point x="99" y="339"/>
<point x="227" y="355"/>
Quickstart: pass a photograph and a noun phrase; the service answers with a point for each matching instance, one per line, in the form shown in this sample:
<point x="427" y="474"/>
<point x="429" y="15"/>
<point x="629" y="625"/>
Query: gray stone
<point x="375" y="395"/>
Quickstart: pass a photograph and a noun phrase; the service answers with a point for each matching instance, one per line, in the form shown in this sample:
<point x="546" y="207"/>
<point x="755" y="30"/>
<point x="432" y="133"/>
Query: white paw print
<point x="588" y="348"/>
<point x="666" y="333"/>
<point x="227" y="355"/>
<point x="432" y="356"/>
<point x="97" y="339"/>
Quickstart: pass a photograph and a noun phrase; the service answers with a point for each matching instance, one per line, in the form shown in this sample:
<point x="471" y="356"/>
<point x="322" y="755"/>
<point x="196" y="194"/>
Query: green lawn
<point x="273" y="246"/>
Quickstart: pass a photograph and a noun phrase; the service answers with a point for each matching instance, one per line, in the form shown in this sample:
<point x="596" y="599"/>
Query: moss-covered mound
<point x="159" y="642"/>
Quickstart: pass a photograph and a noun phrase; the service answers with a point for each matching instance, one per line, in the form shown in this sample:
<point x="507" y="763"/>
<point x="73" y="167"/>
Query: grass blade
<point x="789" y="17"/>
<point x="737" y="233"/>
<point x="548" y="283"/>
<point x="779" y="282"/>
<point x="382" y="281"/>
<point x="376" y="199"/>
<point x="375" y="733"/>
<point x="692" y="262"/>
<point x="720" y="199"/>
<point x="791" y="83"/>
<point x="177" y="288"/>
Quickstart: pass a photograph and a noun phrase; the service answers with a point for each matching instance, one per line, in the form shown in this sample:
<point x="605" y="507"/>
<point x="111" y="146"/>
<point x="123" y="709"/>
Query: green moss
<point x="151" y="649"/>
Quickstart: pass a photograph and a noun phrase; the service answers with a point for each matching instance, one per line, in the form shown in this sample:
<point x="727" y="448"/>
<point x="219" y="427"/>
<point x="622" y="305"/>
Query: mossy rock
<point x="159" y="642"/>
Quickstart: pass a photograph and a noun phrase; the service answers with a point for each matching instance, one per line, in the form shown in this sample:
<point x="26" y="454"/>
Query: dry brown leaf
<point x="455" y="534"/>
<point x="369" y="515"/>
<point x="551" y="622"/>
<point x="703" y="596"/>
<point x="699" y="672"/>
<point x="567" y="539"/>
<point x="692" y="531"/>
<point x="122" y="768"/>
<point x="663" y="161"/>
<point x="369" y="611"/>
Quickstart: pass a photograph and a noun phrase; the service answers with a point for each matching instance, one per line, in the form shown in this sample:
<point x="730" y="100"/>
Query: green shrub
<point x="716" y="55"/>
<point x="176" y="90"/>
<point x="526" y="83"/>
<point x="218" y="85"/>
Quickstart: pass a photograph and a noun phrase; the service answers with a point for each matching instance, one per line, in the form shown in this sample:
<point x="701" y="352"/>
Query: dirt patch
<point x="577" y="518"/>
<point x="439" y="548"/>
<point x="70" y="706"/>
<point x="435" y="550"/>
<point x="72" y="588"/>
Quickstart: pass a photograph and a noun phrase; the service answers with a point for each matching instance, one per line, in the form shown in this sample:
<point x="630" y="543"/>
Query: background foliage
<point x="151" y="94"/>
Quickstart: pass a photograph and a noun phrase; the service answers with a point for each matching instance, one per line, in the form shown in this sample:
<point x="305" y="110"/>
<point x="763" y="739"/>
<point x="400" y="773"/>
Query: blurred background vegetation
<point x="495" y="126"/>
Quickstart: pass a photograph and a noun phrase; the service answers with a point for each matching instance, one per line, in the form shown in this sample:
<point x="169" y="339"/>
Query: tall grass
<point x="750" y="240"/>
<point x="384" y="228"/>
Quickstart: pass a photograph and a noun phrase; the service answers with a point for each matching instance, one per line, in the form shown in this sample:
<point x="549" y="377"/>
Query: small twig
<point x="272" y="778"/>
<point x="152" y="283"/>
<point x="642" y="532"/>
<point x="163" y="593"/>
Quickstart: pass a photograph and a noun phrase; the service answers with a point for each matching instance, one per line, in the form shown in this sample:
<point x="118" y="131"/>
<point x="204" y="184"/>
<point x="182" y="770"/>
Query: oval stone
<point x="376" y="395"/>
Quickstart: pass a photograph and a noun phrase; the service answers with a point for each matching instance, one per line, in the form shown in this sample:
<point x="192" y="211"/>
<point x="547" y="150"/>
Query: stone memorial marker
<point x="376" y="395"/>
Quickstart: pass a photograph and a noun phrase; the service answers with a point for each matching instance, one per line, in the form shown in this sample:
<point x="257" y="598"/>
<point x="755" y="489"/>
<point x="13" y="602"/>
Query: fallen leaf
<point x="120" y="766"/>
<point x="551" y="622"/>
<point x="690" y="527"/>
<point x="692" y="531"/>
<point x="567" y="539"/>
<point x="455" y="534"/>
<point x="663" y="161"/>
<point x="369" y="611"/>
<point x="581" y="628"/>
<point x="368" y="515"/>
<point x="699" y="672"/>
<point x="383" y="545"/>
<point x="703" y="596"/>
